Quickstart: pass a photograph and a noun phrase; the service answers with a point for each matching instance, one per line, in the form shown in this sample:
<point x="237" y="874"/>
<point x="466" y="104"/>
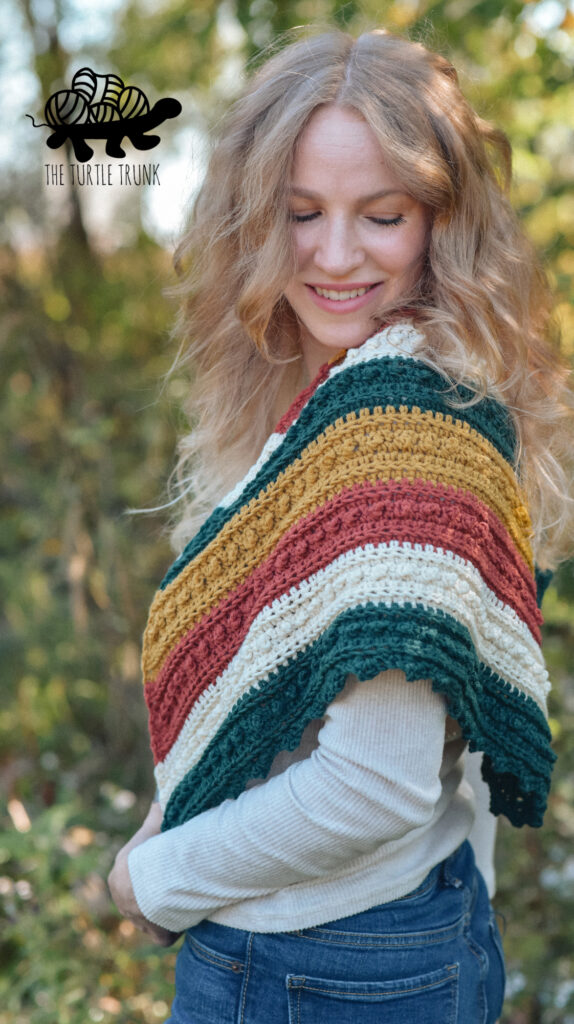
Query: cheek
<point x="411" y="252"/>
<point x="295" y="293"/>
<point x="393" y="254"/>
<point x="302" y="249"/>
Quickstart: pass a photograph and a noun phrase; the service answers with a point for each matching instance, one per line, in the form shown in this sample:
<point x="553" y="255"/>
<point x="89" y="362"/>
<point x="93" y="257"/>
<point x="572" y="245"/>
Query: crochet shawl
<point x="380" y="528"/>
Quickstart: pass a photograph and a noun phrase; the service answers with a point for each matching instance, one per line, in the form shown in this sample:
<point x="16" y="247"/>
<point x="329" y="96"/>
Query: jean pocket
<point x="213" y="956"/>
<point x="207" y="985"/>
<point x="425" y="998"/>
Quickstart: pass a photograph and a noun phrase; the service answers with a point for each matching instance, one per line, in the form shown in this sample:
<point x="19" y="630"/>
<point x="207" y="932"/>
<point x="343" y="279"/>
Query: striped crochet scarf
<point x="378" y="529"/>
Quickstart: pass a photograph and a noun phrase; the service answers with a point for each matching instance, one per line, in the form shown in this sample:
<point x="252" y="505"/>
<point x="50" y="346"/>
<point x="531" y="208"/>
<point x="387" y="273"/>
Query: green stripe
<point x="385" y="380"/>
<point x="425" y="643"/>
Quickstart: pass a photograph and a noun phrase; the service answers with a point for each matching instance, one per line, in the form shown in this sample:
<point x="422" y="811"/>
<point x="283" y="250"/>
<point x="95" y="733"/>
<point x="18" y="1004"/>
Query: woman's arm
<point x="373" y="778"/>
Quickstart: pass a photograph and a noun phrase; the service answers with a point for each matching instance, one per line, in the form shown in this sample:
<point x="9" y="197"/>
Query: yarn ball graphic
<point x="98" y="88"/>
<point x="102" y="112"/>
<point x="132" y="102"/>
<point x="84" y="82"/>
<point x="66" y="107"/>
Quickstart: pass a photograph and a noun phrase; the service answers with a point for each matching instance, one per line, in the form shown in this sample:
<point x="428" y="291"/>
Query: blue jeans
<point x="431" y="957"/>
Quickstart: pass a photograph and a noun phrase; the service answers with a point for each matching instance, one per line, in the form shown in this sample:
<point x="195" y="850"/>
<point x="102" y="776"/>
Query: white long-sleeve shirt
<point x="372" y="799"/>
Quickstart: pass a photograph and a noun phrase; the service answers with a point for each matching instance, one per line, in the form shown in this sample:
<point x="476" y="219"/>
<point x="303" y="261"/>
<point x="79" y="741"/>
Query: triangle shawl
<point x="379" y="528"/>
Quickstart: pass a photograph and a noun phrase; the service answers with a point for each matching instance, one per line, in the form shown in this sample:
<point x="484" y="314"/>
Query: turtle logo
<point x="102" y="107"/>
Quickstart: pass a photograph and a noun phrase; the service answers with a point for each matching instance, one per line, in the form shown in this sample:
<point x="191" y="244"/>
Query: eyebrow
<point x="304" y="193"/>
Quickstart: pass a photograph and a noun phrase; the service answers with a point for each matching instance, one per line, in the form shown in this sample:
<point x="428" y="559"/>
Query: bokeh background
<point x="88" y="428"/>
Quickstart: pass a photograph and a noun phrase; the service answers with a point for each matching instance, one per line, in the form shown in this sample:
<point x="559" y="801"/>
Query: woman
<point x="360" y="603"/>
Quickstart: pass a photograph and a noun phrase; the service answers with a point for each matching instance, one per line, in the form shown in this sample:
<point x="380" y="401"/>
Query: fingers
<point x="160" y="936"/>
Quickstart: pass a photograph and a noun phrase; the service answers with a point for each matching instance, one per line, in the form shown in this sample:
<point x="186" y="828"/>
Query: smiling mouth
<point x="342" y="296"/>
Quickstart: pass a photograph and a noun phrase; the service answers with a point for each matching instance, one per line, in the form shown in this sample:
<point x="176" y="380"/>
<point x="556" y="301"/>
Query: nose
<point x="338" y="250"/>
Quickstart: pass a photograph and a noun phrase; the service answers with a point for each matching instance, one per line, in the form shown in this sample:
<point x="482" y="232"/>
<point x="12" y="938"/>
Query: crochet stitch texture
<point x="378" y="529"/>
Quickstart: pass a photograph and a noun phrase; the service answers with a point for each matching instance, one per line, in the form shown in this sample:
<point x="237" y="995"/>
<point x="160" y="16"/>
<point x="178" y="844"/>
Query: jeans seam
<point x="454" y="998"/>
<point x="481" y="956"/>
<point x="386" y="992"/>
<point x="246" y="978"/>
<point x="418" y="938"/>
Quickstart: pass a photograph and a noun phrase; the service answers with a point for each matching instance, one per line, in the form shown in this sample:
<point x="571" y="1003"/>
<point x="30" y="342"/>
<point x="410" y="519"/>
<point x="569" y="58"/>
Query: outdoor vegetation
<point x="88" y="429"/>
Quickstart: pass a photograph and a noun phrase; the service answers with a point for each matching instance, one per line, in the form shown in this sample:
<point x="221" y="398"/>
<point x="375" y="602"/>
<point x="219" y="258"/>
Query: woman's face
<point x="360" y="239"/>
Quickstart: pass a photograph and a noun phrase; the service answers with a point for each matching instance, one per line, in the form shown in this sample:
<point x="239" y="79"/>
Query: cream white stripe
<point x="399" y="339"/>
<point x="386" y="573"/>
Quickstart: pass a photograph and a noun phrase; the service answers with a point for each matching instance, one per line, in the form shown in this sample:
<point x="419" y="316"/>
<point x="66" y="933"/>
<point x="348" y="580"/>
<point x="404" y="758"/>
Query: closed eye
<point x="388" y="222"/>
<point x="302" y="218"/>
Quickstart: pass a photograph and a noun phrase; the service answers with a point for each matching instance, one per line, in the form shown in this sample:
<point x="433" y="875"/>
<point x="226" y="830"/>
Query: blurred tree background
<point x="88" y="431"/>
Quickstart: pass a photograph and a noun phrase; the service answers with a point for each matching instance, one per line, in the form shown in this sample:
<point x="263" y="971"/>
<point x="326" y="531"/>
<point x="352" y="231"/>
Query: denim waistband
<point x="456" y="871"/>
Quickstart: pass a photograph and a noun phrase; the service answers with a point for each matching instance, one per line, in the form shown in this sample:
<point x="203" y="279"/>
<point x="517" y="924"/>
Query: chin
<point x="345" y="338"/>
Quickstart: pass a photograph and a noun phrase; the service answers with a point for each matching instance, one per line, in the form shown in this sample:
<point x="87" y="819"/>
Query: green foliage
<point x="83" y="438"/>
<point x="65" y="955"/>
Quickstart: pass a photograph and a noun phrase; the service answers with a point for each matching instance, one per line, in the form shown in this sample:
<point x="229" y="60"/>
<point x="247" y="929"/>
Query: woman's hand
<point x="120" y="885"/>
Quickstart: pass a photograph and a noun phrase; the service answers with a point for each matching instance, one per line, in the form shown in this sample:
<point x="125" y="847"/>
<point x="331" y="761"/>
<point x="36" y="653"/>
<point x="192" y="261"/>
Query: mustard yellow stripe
<point x="370" y="446"/>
